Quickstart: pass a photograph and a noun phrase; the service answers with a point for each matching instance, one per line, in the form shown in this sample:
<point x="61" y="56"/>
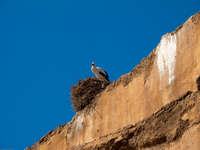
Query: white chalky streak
<point x="166" y="56"/>
<point x="79" y="123"/>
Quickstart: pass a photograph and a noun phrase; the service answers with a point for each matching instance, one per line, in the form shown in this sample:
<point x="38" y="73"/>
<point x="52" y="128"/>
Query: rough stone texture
<point x="169" y="129"/>
<point x="165" y="75"/>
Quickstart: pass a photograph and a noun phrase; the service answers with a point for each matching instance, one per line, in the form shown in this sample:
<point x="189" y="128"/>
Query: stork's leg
<point x="102" y="86"/>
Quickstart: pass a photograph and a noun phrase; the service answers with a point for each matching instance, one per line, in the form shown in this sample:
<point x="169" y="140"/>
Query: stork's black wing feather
<point x="105" y="75"/>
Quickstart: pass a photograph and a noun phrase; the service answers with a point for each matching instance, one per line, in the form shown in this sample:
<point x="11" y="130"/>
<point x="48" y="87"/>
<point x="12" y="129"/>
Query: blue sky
<point x="46" y="46"/>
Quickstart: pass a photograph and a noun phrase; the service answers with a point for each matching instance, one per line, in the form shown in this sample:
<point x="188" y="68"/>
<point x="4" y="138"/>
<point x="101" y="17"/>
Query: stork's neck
<point x="93" y="68"/>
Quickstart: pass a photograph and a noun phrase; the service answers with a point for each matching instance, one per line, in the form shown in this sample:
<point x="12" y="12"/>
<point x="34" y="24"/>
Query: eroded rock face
<point x="175" y="126"/>
<point x="165" y="75"/>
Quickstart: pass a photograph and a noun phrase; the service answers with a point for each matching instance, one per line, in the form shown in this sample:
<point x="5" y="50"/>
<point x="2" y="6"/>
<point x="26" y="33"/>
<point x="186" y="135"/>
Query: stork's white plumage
<point x="99" y="72"/>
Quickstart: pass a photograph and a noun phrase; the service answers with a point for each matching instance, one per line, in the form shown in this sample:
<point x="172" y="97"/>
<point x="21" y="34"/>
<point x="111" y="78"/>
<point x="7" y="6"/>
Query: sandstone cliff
<point x="156" y="110"/>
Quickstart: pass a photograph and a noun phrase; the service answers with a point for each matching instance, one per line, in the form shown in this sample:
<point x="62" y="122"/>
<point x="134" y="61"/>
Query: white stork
<point x="99" y="72"/>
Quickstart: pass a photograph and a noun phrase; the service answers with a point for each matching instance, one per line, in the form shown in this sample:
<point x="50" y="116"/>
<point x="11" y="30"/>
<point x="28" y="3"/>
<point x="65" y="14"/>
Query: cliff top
<point x="149" y="107"/>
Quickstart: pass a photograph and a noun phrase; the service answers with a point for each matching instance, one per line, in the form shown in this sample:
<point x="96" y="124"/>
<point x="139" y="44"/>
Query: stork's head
<point x="93" y="64"/>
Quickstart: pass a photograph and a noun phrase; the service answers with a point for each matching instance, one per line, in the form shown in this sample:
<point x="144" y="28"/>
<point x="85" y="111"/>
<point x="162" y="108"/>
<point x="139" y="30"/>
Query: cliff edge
<point x="148" y="108"/>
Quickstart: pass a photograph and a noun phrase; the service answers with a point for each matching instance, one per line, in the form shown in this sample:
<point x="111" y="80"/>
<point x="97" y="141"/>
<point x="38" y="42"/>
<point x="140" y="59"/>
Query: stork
<point x="99" y="72"/>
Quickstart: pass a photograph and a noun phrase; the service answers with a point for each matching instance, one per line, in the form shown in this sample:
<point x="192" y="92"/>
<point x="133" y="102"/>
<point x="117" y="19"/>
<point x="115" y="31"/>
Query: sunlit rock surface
<point x="130" y="112"/>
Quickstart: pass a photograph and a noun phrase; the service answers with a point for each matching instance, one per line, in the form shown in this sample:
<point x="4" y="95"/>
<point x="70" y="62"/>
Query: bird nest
<point x="85" y="91"/>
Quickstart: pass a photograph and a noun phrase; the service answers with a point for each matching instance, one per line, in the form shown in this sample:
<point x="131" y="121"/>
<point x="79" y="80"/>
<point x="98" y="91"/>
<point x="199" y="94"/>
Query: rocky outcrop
<point x="174" y="126"/>
<point x="123" y="115"/>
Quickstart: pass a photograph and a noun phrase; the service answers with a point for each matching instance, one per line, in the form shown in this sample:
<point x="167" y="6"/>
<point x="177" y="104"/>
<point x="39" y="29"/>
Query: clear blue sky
<point x="48" y="45"/>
